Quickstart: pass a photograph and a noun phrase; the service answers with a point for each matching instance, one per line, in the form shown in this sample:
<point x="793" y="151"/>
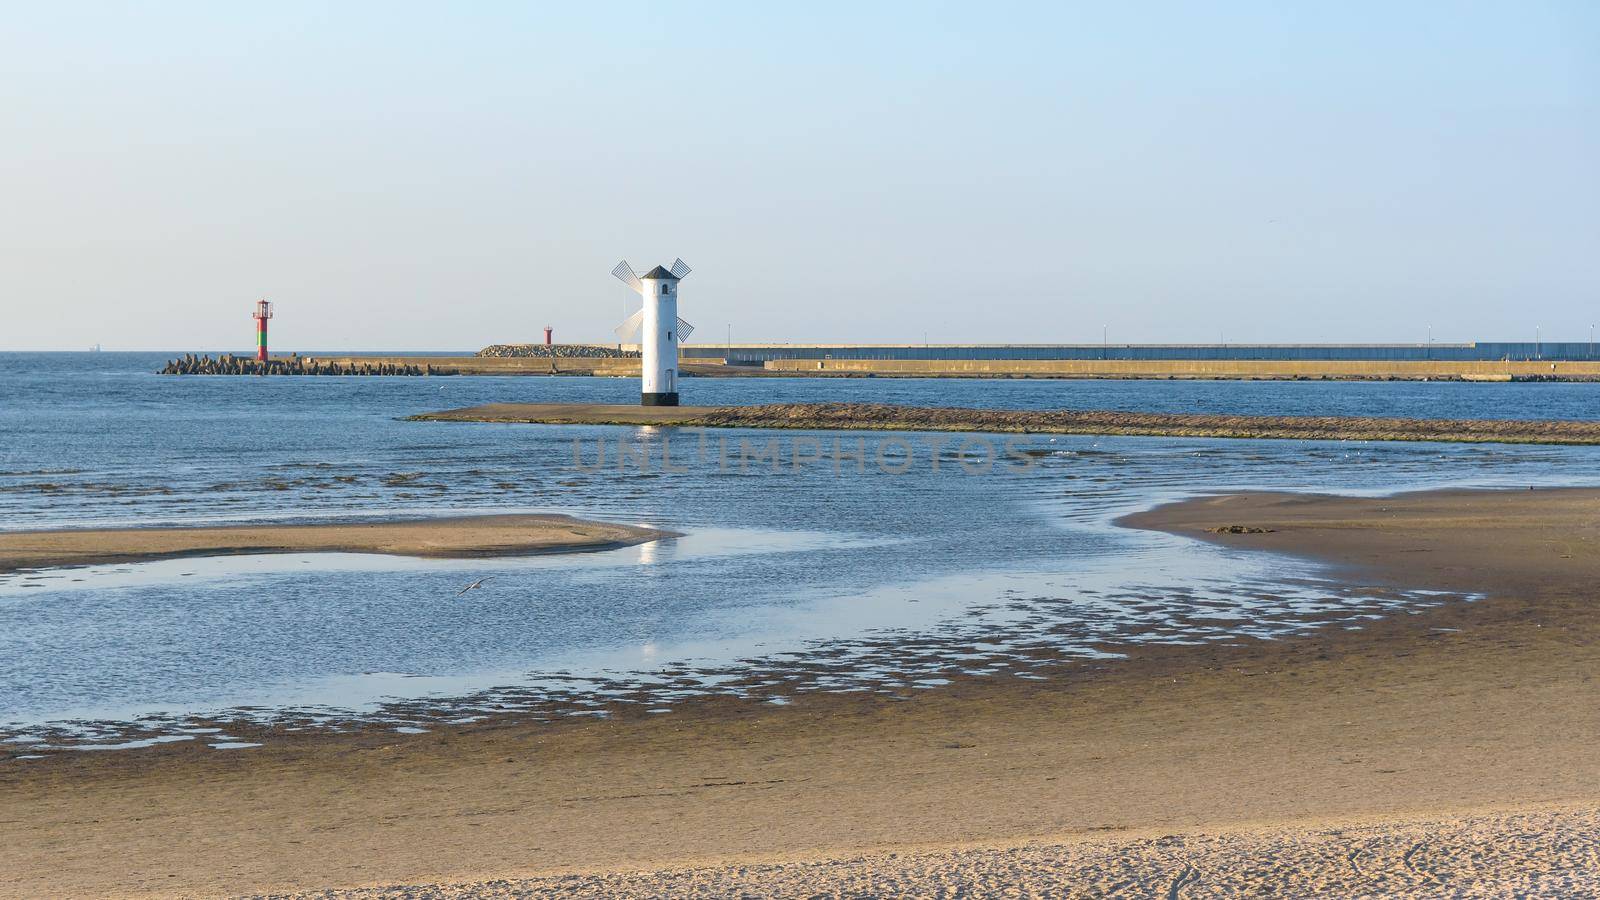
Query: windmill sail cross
<point x="629" y="326"/>
<point x="625" y="274"/>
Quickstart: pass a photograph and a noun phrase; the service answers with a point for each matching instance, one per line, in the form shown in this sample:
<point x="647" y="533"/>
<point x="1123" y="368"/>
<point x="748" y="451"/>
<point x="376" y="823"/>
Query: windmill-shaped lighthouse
<point x="662" y="329"/>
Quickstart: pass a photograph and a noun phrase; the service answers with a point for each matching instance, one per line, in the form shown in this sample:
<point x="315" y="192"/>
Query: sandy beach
<point x="1447" y="751"/>
<point x="461" y="537"/>
<point x="1543" y="853"/>
<point x="887" y="417"/>
<point x="354" y="543"/>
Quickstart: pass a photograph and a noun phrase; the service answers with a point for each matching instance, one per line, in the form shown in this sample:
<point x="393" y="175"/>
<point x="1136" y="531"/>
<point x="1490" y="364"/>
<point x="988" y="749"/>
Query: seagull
<point x="475" y="585"/>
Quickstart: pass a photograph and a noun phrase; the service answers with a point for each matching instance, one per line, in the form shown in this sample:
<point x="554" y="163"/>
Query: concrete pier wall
<point x="1221" y="369"/>
<point x="1479" y="351"/>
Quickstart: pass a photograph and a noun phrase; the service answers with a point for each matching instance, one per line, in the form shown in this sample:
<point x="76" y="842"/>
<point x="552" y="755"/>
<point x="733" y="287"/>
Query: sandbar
<point x="461" y="537"/>
<point x="889" y="417"/>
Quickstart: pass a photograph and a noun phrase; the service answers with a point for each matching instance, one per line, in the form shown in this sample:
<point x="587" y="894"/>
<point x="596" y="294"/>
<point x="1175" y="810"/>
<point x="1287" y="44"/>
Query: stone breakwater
<point x="227" y="364"/>
<point x="556" y="351"/>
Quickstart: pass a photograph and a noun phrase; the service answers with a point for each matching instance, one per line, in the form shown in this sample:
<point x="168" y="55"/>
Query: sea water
<point x="836" y="574"/>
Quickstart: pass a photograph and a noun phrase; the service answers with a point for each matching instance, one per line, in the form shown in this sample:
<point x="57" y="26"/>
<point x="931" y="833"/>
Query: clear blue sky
<point x="416" y="176"/>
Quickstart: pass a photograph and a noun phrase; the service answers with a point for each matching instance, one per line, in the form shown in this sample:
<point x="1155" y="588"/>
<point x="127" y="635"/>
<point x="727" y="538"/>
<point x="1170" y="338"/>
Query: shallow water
<point x="823" y="576"/>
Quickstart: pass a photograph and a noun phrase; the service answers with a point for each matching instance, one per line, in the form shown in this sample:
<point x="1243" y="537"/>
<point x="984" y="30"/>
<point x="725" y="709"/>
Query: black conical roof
<point x="659" y="274"/>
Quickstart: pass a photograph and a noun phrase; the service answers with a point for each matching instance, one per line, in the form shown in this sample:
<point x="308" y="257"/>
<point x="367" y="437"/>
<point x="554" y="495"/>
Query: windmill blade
<point x="624" y="273"/>
<point x="684" y="330"/>
<point x="629" y="327"/>
<point x="680" y="269"/>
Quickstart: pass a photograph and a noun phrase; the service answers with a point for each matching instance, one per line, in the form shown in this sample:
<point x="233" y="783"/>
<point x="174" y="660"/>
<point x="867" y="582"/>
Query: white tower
<point x="662" y="329"/>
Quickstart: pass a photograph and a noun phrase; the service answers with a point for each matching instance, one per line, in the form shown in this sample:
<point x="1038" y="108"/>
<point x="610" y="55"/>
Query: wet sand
<point x="885" y="417"/>
<point x="464" y="537"/>
<point x="1450" y="750"/>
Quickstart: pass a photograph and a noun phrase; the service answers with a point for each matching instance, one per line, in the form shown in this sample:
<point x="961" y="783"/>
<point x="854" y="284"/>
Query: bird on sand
<point x="474" y="586"/>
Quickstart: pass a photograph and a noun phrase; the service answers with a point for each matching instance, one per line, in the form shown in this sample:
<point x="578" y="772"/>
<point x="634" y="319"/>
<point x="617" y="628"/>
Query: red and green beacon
<point x="262" y="314"/>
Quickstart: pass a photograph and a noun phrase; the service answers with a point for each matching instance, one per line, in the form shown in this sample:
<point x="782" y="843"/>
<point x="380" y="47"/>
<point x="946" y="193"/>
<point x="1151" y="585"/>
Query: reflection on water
<point x="783" y="584"/>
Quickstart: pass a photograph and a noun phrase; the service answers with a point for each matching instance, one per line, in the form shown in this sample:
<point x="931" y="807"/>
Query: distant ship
<point x="95" y="349"/>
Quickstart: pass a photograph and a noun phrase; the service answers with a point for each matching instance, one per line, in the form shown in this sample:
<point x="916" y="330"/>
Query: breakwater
<point x="627" y="366"/>
<point x="189" y="364"/>
<point x="555" y="351"/>
<point x="886" y="417"/>
<point x="1219" y="370"/>
<point x="623" y="366"/>
<point x="1474" y="351"/>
